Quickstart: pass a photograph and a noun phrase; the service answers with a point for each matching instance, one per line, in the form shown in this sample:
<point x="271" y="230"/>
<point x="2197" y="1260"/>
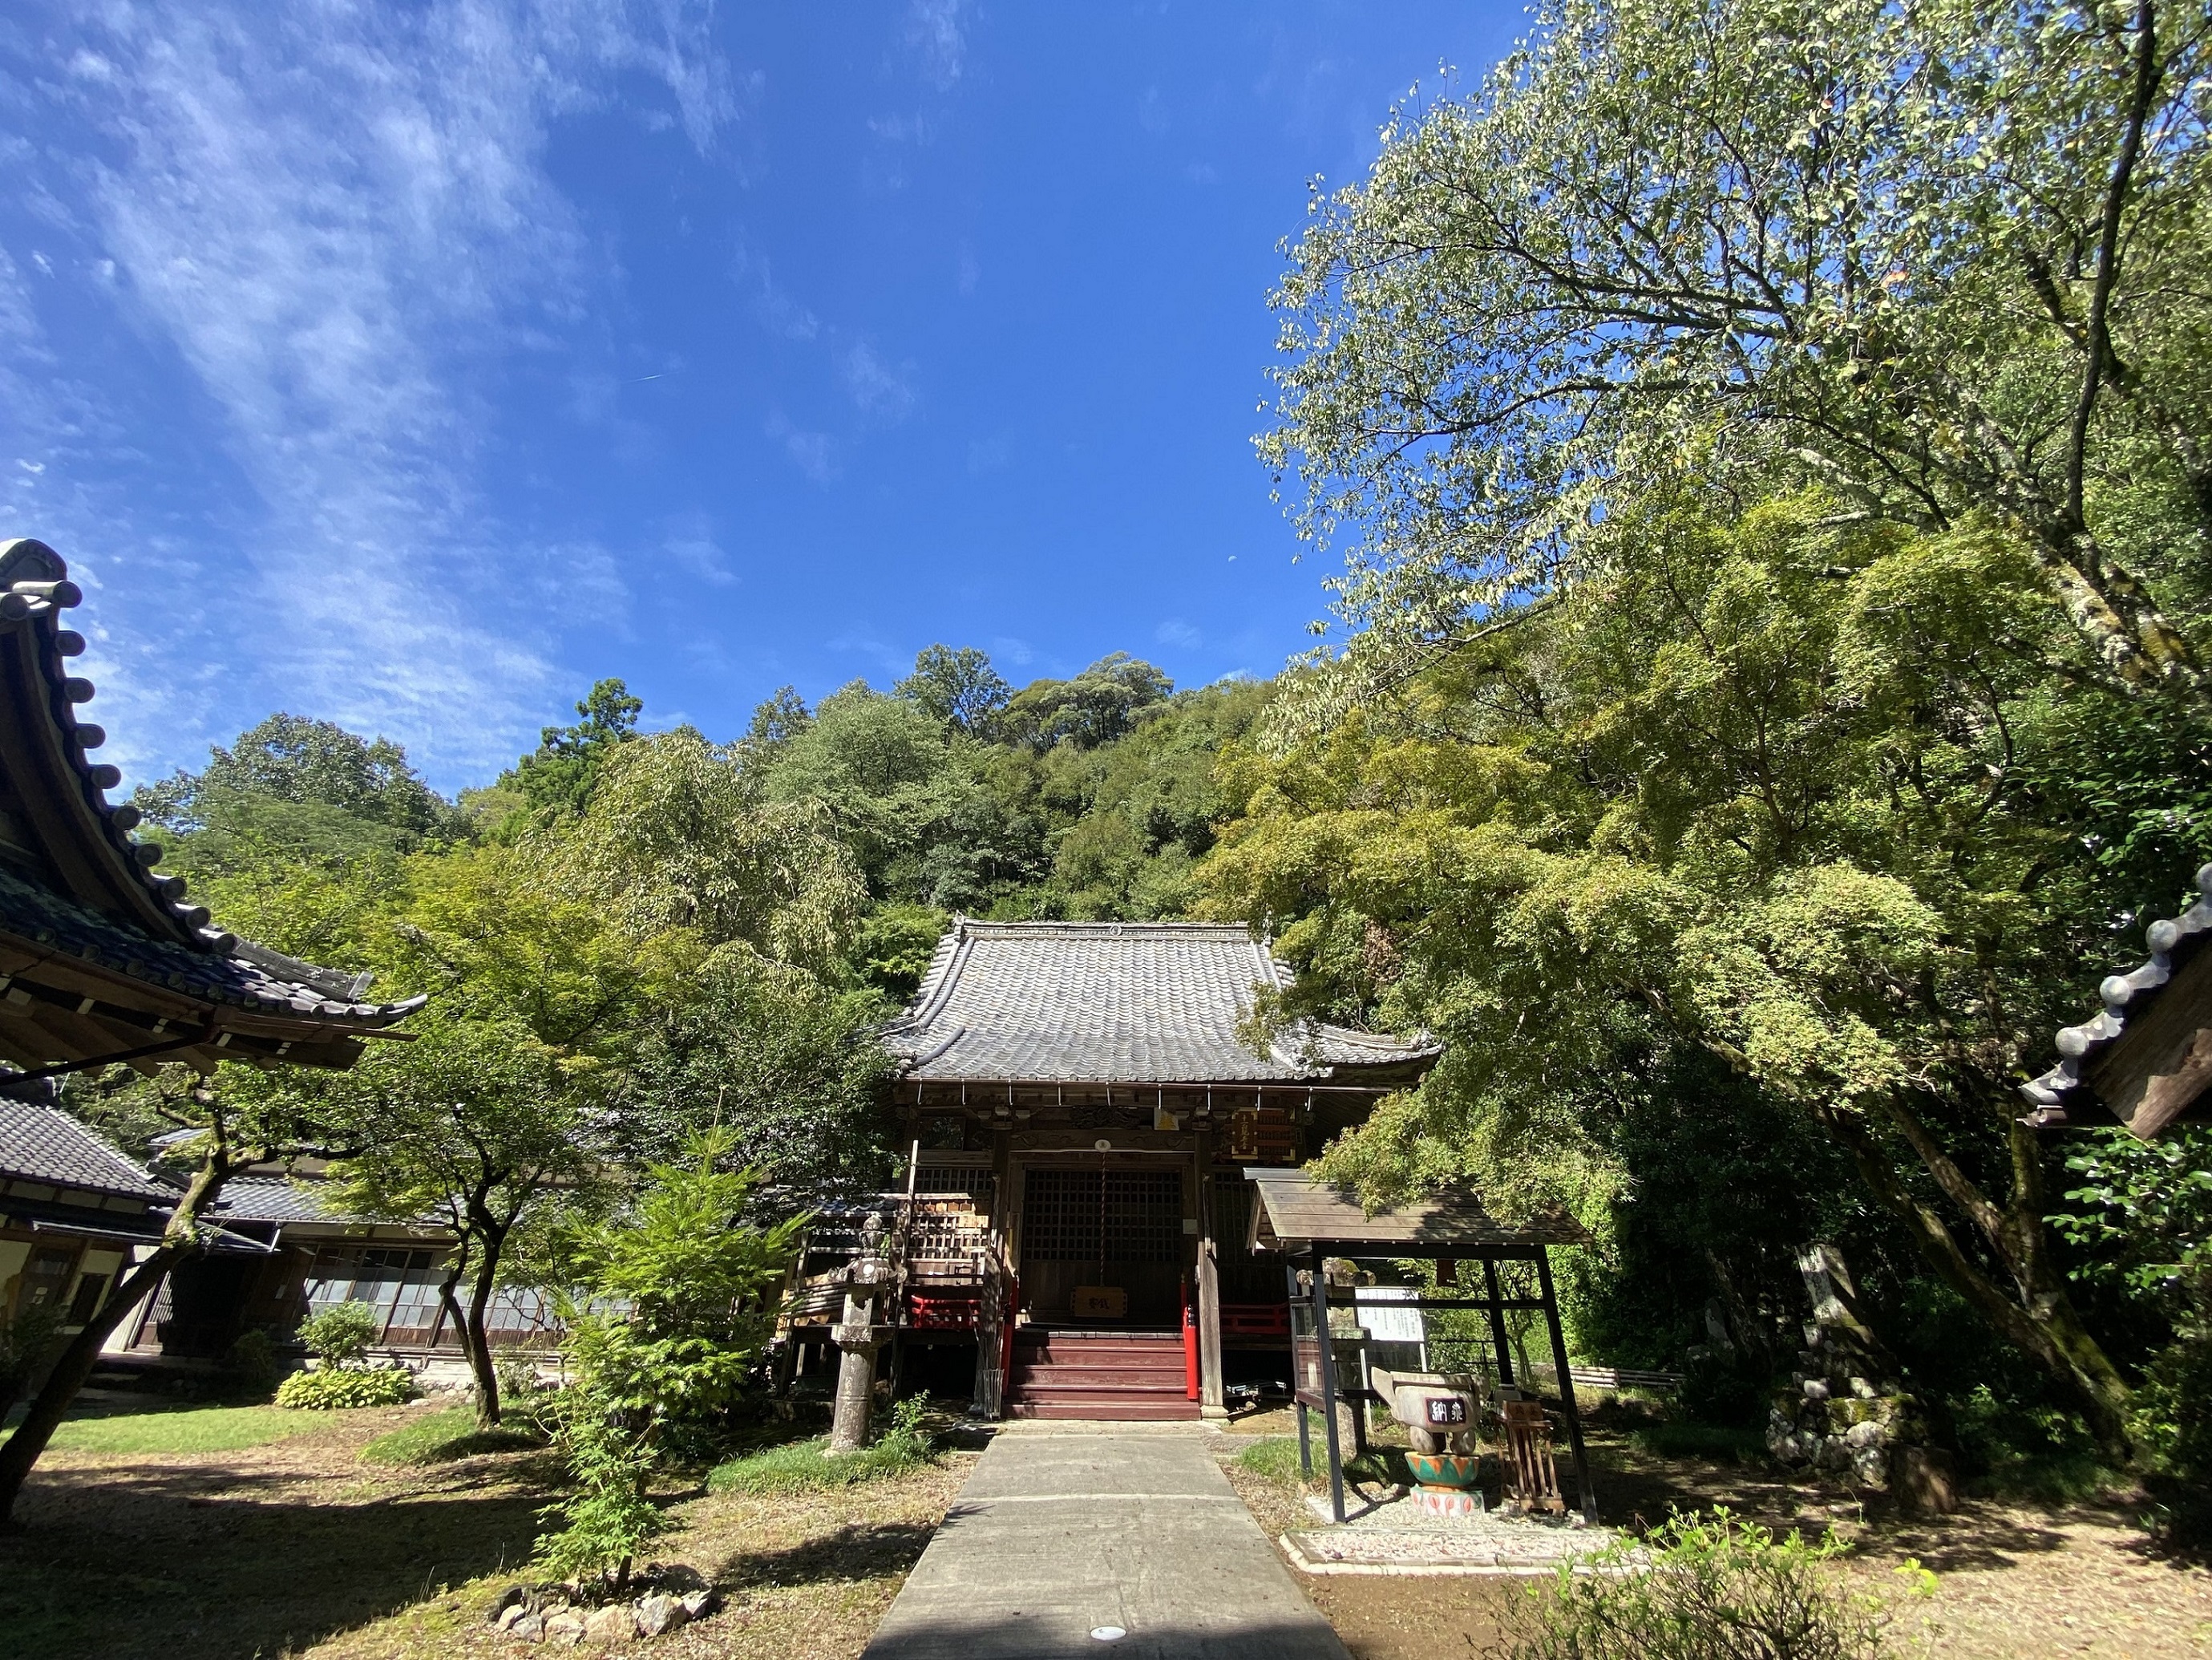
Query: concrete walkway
<point x="1067" y="1529"/>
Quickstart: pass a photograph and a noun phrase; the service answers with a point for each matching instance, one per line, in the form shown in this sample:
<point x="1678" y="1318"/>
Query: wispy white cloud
<point x="774" y="307"/>
<point x="334" y="217"/>
<point x="1177" y="632"/>
<point x="812" y="453"/>
<point x="877" y="388"/>
<point x="886" y="657"/>
<point x="933" y="28"/>
<point x="690" y="544"/>
<point x="1007" y="648"/>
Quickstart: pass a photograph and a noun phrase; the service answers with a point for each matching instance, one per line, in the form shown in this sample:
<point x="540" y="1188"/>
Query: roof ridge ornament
<point x="2131" y="1010"/>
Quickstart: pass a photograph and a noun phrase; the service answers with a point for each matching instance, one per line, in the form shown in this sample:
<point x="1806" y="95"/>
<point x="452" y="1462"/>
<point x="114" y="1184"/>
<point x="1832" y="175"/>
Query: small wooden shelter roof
<point x="2146" y="1057"/>
<point x="1120" y="1002"/>
<point x="101" y="958"/>
<point x="1296" y="1212"/>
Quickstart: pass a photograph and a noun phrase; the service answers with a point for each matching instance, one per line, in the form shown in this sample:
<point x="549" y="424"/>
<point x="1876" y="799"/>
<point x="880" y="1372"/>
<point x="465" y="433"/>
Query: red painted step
<point x="1123" y="1376"/>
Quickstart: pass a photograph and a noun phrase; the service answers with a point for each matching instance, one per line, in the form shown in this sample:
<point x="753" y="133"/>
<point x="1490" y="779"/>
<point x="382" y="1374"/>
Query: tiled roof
<point x="77" y="888"/>
<point x="270" y="1199"/>
<point x="45" y="1144"/>
<point x="1118" y="1002"/>
<point x="2128" y="999"/>
<point x="245" y="977"/>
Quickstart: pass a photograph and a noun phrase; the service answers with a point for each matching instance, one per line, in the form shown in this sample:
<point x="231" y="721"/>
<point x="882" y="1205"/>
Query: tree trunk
<point x="476" y="1334"/>
<point x="22" y="1449"/>
<point x="2135" y="640"/>
<point x="2042" y="1323"/>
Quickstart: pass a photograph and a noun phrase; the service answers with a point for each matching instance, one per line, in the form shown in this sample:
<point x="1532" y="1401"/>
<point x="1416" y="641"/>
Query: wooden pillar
<point x="1497" y="1323"/>
<point x="995" y="1310"/>
<point x="1566" y="1383"/>
<point x="1002" y="1175"/>
<point x="1305" y="1434"/>
<point x="1328" y="1388"/>
<point x="1213" y="1401"/>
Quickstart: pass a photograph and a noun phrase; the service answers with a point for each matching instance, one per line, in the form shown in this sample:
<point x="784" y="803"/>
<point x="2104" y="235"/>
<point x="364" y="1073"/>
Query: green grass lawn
<point x="1276" y="1458"/>
<point x="804" y="1466"/>
<point x="183" y="1429"/>
<point x="438" y="1436"/>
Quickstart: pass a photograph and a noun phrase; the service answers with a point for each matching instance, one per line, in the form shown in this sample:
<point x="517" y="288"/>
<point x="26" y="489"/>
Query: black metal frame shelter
<point x="1303" y="1218"/>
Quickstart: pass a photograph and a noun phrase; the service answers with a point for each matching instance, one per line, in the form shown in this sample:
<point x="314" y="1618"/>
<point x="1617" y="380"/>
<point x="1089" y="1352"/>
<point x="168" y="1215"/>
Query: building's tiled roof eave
<point x="1119" y="1003"/>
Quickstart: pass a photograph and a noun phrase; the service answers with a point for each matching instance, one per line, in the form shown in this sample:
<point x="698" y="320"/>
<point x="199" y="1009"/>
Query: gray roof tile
<point x="1120" y="1002"/>
<point x="270" y="1199"/>
<point x="45" y="1144"/>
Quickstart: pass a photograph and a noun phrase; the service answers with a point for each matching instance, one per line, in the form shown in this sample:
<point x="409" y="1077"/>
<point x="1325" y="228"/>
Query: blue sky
<point x="413" y="366"/>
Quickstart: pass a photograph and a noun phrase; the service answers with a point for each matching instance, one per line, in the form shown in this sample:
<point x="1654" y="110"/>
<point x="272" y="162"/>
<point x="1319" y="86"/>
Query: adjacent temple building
<point x="1095" y="1091"/>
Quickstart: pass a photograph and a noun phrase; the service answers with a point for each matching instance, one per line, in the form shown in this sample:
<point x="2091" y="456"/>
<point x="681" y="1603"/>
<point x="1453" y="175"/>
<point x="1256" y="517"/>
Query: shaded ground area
<point x="2012" y="1579"/>
<point x="258" y="1550"/>
<point x="299" y="1548"/>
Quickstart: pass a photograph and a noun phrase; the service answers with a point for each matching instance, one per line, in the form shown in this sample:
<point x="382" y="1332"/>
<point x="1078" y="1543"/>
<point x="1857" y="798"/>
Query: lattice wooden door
<point x="1102" y="1227"/>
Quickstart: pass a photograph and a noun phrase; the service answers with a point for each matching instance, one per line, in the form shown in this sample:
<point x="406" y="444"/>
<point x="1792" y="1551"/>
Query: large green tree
<point x="294" y="790"/>
<point x="1943" y="257"/>
<point x="1769" y="788"/>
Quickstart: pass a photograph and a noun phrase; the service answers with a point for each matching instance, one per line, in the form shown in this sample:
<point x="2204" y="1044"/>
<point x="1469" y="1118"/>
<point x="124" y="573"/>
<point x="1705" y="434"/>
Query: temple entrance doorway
<point x="1091" y="1230"/>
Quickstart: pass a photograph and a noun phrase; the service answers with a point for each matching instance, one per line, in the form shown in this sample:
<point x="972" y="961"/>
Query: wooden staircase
<point x="1122" y="1376"/>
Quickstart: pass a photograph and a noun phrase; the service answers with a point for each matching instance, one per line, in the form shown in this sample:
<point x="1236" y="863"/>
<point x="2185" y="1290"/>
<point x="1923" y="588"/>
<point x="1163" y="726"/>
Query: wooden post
<point x="995" y="1310"/>
<point x="1328" y="1388"/>
<point x="1566" y="1383"/>
<point x="1497" y="1323"/>
<point x="1002" y="1175"/>
<point x="1213" y="1401"/>
<point x="1306" y="1435"/>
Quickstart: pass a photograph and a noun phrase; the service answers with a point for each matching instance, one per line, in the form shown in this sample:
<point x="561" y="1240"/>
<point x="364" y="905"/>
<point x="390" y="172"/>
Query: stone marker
<point x="859" y="1337"/>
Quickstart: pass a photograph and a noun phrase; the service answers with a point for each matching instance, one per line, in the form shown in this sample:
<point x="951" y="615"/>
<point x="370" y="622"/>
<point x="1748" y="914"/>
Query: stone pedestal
<point x="857" y="1338"/>
<point x="1846" y="1414"/>
<point x="1448" y="1504"/>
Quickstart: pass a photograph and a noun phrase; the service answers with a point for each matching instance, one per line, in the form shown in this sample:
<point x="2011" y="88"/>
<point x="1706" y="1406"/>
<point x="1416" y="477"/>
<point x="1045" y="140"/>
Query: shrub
<point x="340" y="1335"/>
<point x="611" y="1516"/>
<point x="1701" y="1588"/>
<point x="24" y="1343"/>
<point x="2174" y="1424"/>
<point x="330" y="1388"/>
<point x="676" y="1303"/>
<point x="251" y="1363"/>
